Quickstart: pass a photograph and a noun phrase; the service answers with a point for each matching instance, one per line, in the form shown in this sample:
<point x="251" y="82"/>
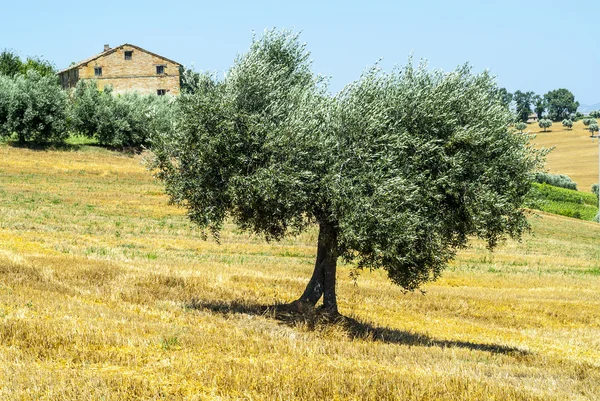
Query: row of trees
<point x="12" y="65"/>
<point x="556" y="105"/>
<point x="33" y="107"/>
<point x="128" y="119"/>
<point x="590" y="123"/>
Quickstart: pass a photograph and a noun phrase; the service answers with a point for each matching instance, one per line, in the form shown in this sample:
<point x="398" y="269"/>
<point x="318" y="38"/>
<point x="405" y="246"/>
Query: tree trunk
<point x="322" y="282"/>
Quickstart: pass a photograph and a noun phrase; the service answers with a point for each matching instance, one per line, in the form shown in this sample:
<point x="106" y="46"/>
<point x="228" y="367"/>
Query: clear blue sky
<point x="529" y="45"/>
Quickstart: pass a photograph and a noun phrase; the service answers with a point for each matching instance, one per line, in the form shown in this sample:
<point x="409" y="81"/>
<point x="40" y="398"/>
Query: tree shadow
<point x="44" y="146"/>
<point x="354" y="328"/>
<point x="62" y="146"/>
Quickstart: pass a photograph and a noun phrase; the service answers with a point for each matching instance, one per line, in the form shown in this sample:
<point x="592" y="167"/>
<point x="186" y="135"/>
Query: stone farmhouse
<point x="127" y="68"/>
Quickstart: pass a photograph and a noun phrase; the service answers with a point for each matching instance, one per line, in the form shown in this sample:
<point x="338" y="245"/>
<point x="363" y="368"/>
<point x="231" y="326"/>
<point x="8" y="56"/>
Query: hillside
<point x="106" y="292"/>
<point x="586" y="108"/>
<point x="575" y="153"/>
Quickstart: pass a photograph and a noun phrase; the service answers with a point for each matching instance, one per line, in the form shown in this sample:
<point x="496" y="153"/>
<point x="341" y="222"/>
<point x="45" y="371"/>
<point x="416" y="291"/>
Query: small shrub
<point x="557" y="180"/>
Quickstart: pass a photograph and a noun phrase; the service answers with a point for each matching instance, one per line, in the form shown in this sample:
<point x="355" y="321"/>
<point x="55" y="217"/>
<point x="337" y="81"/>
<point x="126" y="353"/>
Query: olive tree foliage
<point x="188" y="79"/>
<point x="588" y="121"/>
<point x="593" y="127"/>
<point x="567" y="123"/>
<point x="33" y="107"/>
<point x="398" y="170"/>
<point x="545" y="123"/>
<point x="128" y="120"/>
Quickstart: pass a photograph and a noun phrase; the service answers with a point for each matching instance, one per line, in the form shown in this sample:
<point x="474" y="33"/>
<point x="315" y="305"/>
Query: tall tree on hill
<point x="505" y="96"/>
<point x="523" y="104"/>
<point x="38" y="64"/>
<point x="539" y="105"/>
<point x="561" y="104"/>
<point x="10" y="63"/>
<point x="397" y="171"/>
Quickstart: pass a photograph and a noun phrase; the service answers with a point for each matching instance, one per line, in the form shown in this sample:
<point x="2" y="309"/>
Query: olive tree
<point x="588" y="121"/>
<point x="33" y="106"/>
<point x="545" y="123"/>
<point x="521" y="126"/>
<point x="117" y="120"/>
<point x="398" y="170"/>
<point x="567" y="123"/>
<point x="593" y="127"/>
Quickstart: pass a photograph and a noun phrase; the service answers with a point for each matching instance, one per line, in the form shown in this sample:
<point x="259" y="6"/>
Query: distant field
<point x="576" y="155"/>
<point x="107" y="293"/>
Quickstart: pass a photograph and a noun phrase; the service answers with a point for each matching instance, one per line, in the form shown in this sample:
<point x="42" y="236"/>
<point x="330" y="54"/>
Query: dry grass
<point x="575" y="154"/>
<point x="107" y="293"/>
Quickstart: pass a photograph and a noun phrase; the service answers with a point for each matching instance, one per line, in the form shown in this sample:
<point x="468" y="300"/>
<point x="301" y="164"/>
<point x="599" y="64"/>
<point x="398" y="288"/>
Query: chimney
<point x="106" y="48"/>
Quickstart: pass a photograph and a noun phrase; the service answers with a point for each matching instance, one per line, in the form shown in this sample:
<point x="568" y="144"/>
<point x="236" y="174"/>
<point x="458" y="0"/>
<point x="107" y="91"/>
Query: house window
<point x="128" y="54"/>
<point x="160" y="69"/>
<point x="98" y="71"/>
<point x="161" y="92"/>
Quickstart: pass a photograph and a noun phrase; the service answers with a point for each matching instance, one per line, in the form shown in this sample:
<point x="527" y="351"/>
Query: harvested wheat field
<point x="575" y="152"/>
<point x="108" y="293"/>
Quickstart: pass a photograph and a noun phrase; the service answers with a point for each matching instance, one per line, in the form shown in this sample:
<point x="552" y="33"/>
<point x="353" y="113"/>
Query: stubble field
<point x="108" y="293"/>
<point x="575" y="153"/>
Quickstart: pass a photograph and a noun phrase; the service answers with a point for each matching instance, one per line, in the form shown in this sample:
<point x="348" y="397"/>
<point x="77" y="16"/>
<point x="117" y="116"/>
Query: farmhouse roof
<point x="109" y="51"/>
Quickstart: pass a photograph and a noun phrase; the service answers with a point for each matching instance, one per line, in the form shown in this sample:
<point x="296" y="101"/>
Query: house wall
<point x="68" y="79"/>
<point x="135" y="75"/>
